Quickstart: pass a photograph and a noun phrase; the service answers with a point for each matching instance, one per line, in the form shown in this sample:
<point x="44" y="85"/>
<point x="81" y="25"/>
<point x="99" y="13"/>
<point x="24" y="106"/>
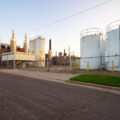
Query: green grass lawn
<point x="98" y="79"/>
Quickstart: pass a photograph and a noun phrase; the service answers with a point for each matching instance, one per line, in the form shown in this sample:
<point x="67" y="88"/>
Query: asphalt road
<point x="23" y="98"/>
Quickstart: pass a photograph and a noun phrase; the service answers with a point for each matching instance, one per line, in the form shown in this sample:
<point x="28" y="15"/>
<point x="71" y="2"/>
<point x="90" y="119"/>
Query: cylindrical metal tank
<point x="90" y="49"/>
<point x="37" y="46"/>
<point x="113" y="46"/>
<point x="40" y="51"/>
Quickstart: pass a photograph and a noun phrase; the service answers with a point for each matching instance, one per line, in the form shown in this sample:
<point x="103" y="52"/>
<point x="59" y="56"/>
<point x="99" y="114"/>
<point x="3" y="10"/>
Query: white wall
<point x="8" y="57"/>
<point x="25" y="56"/>
<point x="19" y="56"/>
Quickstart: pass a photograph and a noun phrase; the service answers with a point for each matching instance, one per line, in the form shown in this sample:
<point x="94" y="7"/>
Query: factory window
<point x="2" y="46"/>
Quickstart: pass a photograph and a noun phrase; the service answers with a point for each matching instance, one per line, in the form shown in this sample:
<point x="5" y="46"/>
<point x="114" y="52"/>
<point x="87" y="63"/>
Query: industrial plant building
<point x="96" y="52"/>
<point x="14" y="56"/>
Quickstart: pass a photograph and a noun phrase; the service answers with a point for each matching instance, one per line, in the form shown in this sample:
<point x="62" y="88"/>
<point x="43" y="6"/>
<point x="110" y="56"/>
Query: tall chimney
<point x="13" y="42"/>
<point x="50" y="44"/>
<point x="26" y="44"/>
<point x="50" y="50"/>
<point x="64" y="53"/>
<point x="0" y="42"/>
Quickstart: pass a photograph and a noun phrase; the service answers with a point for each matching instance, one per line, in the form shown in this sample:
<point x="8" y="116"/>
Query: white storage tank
<point x="37" y="46"/>
<point x="113" y="47"/>
<point x="90" y="49"/>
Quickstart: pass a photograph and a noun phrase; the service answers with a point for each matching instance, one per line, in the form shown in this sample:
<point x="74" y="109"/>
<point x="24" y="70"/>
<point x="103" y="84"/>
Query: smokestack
<point x="50" y="44"/>
<point x="50" y="51"/>
<point x="64" y="53"/>
<point x="26" y="44"/>
<point x="13" y="42"/>
<point x="0" y="42"/>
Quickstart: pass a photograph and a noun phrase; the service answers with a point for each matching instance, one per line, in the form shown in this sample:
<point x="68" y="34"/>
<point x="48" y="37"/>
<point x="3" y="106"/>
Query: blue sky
<point x="24" y="16"/>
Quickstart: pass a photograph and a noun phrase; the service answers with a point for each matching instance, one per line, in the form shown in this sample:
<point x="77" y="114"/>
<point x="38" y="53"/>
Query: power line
<point x="75" y="14"/>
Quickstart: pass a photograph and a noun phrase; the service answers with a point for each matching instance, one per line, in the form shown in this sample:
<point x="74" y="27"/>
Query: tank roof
<point x="113" y="25"/>
<point x="91" y="31"/>
<point x="37" y="37"/>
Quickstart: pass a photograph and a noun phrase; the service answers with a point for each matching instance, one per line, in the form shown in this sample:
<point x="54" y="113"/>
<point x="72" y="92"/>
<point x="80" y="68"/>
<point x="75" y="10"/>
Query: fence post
<point x="87" y="66"/>
<point x="1" y="63"/>
<point x="70" y="66"/>
<point x="14" y="63"/>
<point x="79" y="64"/>
<point x="48" y="65"/>
<point x="112" y="65"/>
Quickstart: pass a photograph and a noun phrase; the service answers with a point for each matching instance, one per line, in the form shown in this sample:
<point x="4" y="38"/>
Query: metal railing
<point x="113" y="25"/>
<point x="91" y="31"/>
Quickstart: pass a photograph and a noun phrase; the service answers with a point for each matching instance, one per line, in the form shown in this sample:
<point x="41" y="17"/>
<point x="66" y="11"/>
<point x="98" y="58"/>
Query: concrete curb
<point x="96" y="86"/>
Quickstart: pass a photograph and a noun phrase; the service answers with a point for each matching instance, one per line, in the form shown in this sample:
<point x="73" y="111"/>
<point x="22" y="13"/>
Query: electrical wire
<point x="75" y="14"/>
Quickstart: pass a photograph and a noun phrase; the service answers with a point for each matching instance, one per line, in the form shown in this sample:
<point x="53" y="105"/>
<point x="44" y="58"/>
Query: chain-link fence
<point x="54" y="65"/>
<point x="110" y="63"/>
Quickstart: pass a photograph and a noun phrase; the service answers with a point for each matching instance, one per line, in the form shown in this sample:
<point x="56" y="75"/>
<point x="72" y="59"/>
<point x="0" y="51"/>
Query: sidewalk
<point x="51" y="76"/>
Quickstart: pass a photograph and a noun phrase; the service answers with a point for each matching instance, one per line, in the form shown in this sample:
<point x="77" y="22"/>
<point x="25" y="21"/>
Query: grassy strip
<point x="98" y="79"/>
